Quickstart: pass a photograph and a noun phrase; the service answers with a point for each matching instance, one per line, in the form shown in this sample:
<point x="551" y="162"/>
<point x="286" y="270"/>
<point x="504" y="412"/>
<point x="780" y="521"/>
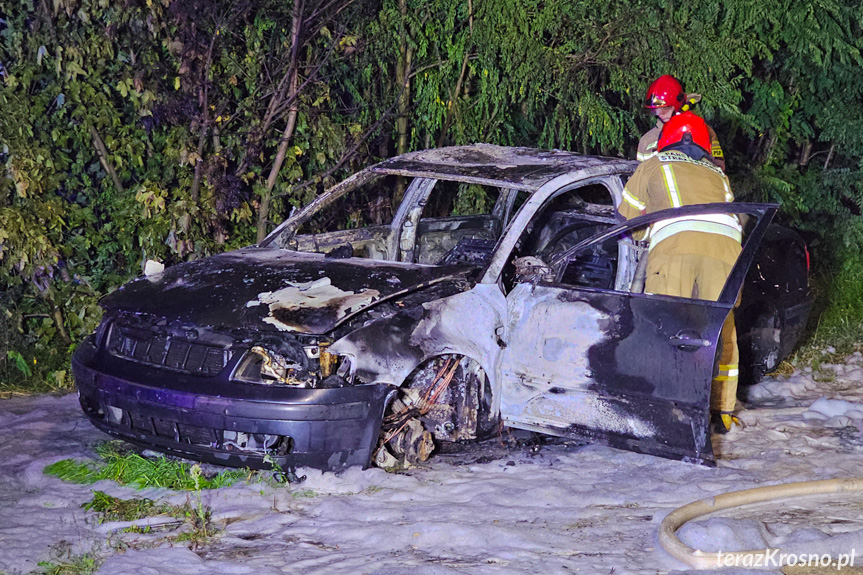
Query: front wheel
<point x="447" y="399"/>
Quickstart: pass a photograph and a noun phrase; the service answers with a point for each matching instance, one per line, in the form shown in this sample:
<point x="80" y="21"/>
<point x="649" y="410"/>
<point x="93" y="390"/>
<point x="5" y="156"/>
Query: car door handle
<point x="688" y="342"/>
<point x="498" y="334"/>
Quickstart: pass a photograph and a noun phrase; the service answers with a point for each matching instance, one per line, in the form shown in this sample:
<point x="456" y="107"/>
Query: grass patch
<point x="304" y="493"/>
<point x="126" y="467"/>
<point x="835" y="330"/>
<point x="85" y="564"/>
<point x="113" y="508"/>
<point x="836" y="333"/>
<point x="56" y="383"/>
<point x="193" y="515"/>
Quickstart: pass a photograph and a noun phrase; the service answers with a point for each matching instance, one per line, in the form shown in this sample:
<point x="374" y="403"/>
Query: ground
<point x="559" y="507"/>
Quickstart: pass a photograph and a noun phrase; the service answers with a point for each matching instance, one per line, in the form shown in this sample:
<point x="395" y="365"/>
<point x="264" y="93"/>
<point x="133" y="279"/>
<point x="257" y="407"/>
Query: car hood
<point x="271" y="290"/>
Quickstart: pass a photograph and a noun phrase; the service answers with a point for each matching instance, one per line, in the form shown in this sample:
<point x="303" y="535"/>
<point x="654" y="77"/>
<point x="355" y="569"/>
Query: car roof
<point x="502" y="166"/>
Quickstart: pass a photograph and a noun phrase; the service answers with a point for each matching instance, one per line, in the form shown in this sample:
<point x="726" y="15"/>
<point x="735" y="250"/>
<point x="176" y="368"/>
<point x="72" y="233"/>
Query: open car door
<point x="632" y="370"/>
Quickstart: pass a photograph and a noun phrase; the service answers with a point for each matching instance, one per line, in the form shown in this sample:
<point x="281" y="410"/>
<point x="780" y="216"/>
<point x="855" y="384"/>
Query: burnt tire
<point x="450" y="397"/>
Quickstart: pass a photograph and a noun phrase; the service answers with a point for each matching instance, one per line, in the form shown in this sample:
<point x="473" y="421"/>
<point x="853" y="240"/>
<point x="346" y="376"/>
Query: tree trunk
<point x="264" y="208"/>
<point x="205" y="123"/>
<point x="217" y="140"/>
<point x="57" y="316"/>
<point x="455" y="93"/>
<point x="768" y="148"/>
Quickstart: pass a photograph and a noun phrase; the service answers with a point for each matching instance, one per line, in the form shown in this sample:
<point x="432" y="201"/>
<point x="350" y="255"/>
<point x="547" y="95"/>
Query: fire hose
<point x="708" y="560"/>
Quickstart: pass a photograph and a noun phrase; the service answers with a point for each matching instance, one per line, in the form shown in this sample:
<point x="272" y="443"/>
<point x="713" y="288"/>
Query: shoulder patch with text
<point x="675" y="156"/>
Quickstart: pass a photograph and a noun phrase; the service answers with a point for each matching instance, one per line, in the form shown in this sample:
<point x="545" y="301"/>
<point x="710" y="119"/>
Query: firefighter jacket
<point x="648" y="142"/>
<point x="672" y="179"/>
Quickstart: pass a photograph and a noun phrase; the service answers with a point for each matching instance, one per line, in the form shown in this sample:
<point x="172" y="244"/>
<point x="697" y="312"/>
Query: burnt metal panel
<point x="632" y="370"/>
<point x="240" y="289"/>
<point x="775" y="303"/>
<point x="388" y="350"/>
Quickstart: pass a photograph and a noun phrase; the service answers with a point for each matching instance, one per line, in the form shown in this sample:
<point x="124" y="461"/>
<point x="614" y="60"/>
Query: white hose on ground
<point x="707" y="560"/>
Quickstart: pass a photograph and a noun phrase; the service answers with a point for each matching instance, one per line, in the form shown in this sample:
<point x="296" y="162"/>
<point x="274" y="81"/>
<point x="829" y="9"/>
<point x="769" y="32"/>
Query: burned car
<point x="498" y="290"/>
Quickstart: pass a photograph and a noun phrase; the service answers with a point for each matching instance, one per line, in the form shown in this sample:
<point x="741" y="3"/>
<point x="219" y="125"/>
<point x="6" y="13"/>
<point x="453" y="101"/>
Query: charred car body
<point x="499" y="289"/>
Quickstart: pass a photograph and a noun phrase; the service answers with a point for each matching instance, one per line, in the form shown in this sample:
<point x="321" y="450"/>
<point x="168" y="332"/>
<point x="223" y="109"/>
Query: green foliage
<point x="840" y="291"/>
<point x="126" y="467"/>
<point x="74" y="471"/>
<point x="304" y="493"/>
<point x="140" y="130"/>
<point x="472" y="199"/>
<point x="20" y="362"/>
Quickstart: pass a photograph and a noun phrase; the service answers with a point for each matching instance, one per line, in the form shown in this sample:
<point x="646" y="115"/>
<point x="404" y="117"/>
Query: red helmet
<point x="665" y="91"/>
<point x="683" y="130"/>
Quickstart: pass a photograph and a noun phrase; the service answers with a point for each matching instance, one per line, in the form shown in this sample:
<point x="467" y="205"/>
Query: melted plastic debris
<point x="318" y="294"/>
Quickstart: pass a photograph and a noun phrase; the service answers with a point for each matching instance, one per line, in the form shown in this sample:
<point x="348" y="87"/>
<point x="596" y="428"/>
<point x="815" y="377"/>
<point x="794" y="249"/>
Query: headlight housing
<point x="264" y="366"/>
<point x="298" y="365"/>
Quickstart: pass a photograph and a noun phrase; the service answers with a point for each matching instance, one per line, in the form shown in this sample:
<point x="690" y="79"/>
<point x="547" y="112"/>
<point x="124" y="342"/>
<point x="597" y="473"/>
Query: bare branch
<point x="437" y="64"/>
<point x="264" y="208"/>
<point x="452" y="102"/>
<point x="104" y="159"/>
<point x="205" y="120"/>
<point x="324" y="8"/>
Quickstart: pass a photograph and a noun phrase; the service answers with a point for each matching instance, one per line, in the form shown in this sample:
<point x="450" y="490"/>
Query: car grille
<point x="172" y="430"/>
<point x="166" y="351"/>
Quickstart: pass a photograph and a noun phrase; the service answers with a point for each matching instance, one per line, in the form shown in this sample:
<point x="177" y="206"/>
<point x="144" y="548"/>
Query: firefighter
<point x="666" y="98"/>
<point x="690" y="257"/>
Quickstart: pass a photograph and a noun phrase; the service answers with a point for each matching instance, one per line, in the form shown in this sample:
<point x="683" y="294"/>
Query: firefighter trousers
<point x="696" y="265"/>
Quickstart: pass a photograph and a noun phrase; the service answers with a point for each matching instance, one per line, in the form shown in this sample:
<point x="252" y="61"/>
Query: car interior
<point x="455" y="223"/>
<point x="567" y="219"/>
<point x="461" y="223"/>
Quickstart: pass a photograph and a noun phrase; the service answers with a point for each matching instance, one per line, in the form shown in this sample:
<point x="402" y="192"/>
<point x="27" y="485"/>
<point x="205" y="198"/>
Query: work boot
<point x="723" y="421"/>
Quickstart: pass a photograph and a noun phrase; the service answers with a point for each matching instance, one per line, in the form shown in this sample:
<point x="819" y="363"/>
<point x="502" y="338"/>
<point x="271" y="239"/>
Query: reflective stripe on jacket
<point x="722" y="224"/>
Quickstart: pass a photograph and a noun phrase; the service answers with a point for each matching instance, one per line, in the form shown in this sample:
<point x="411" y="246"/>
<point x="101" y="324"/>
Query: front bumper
<point x="191" y="416"/>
